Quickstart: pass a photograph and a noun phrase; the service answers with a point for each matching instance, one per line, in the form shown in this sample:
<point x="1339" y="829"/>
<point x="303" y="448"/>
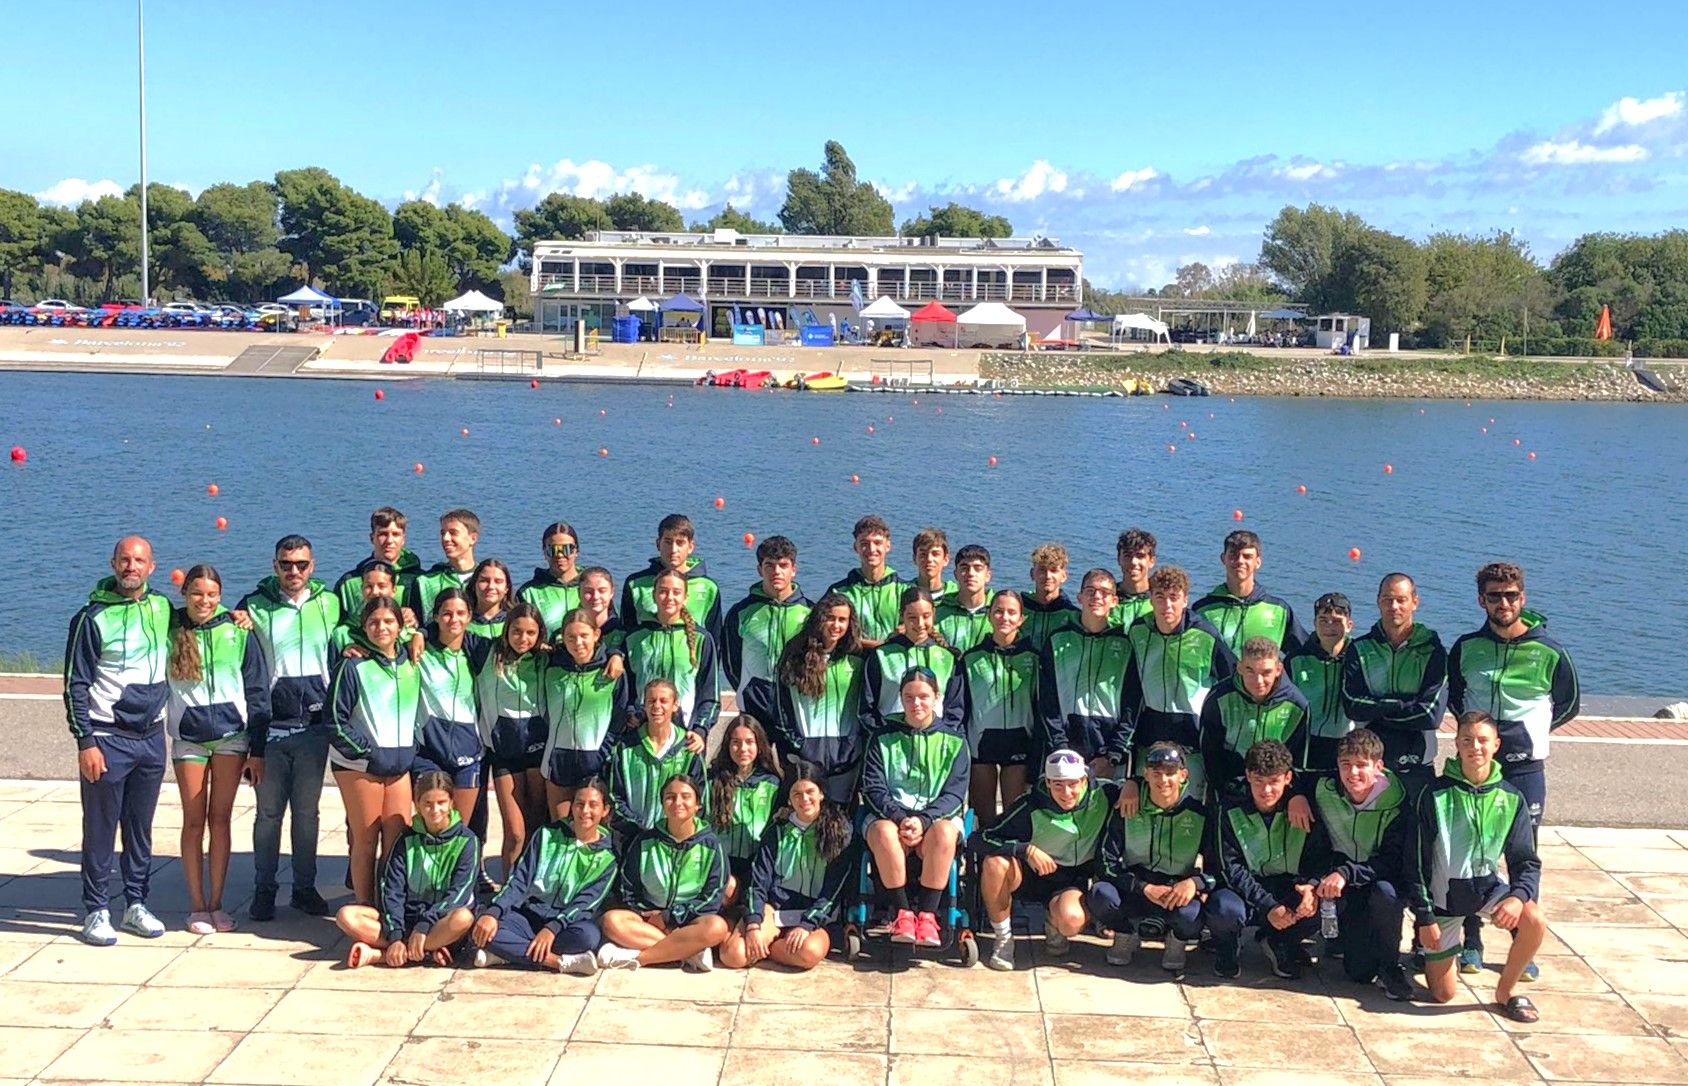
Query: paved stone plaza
<point x="272" y="1004"/>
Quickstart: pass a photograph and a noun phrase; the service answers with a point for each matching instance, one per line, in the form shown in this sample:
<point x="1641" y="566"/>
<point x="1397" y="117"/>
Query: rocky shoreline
<point x="1237" y="373"/>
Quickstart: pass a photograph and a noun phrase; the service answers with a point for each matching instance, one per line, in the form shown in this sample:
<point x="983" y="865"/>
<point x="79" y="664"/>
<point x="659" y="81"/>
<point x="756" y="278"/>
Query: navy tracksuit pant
<point x="123" y="798"/>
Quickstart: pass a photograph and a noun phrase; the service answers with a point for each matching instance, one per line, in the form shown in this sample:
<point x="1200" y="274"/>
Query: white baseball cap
<point x="1064" y="765"/>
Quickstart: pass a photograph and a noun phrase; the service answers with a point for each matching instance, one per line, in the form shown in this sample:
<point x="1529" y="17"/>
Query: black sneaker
<point x="263" y="905"/>
<point x="309" y="902"/>
<point x="1286" y="963"/>
<point x="1395" y="983"/>
<point x="1225" y="964"/>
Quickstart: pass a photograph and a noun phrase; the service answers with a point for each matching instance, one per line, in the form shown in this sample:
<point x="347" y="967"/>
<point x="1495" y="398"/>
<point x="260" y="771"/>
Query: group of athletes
<point x="1132" y="762"/>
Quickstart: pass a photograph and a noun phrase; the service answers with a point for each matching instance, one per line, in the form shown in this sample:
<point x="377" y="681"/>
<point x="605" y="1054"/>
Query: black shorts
<point x="1004" y="746"/>
<point x="507" y="767"/>
<point x="571" y="768"/>
<point x="462" y="776"/>
<point x="1043" y="888"/>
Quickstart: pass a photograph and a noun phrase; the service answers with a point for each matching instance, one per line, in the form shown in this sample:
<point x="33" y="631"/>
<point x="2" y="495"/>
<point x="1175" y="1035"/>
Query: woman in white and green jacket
<point x="219" y="690"/>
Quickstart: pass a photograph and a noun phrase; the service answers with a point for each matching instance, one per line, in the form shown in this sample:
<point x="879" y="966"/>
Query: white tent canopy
<point x="641" y="304"/>
<point x="992" y="314"/>
<point x="884" y="309"/>
<point x="1126" y="322"/>
<point x="473" y="302"/>
<point x="305" y="295"/>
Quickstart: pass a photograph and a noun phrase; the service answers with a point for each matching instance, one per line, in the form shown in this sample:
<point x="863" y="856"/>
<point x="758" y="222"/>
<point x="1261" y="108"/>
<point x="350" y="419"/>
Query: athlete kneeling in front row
<point x="1467" y="821"/>
<point x="1043" y="850"/>
<point x="1149" y="875"/>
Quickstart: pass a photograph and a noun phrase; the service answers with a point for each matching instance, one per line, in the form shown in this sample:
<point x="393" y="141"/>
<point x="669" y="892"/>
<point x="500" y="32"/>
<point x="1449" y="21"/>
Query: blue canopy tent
<point x="687" y="311"/>
<point x="1085" y="315"/>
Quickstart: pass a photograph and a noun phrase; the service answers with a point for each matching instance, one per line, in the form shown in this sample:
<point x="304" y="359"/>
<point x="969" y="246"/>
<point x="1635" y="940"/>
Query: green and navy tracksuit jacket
<point x="1043" y="619"/>
<point x="559" y="879"/>
<point x="1400" y="693"/>
<point x="115" y="665"/>
<point x="233" y="691"/>
<point x="1081" y="693"/>
<point x="882" y="678"/>
<point x="1528" y="684"/>
<point x="491" y="627"/>
<point x="349" y="588"/>
<point x="431" y="583"/>
<point x="427" y="876"/>
<point x="1171" y="677"/>
<point x="1159" y="846"/>
<point x="1367" y="841"/>
<point x="703" y="597"/>
<point x="1318" y="675"/>
<point x="999" y="686"/>
<point x="1231" y="722"/>
<point x="964" y="629"/>
<point x="682" y="880"/>
<point x="374" y="707"/>
<point x="877" y="603"/>
<point x="790" y="873"/>
<point x="510" y="702"/>
<point x="1463" y="831"/>
<point x="1262" y="857"/>
<point x="1073" y="839"/>
<point x="756" y="631"/>
<point x="451" y="733"/>
<point x="1238" y="618"/>
<point x="585" y="712"/>
<point x="751" y="811"/>
<point x="553" y="598"/>
<point x="637" y="769"/>
<point x="295" y="639"/>
<point x="825" y="730"/>
<point x="915" y="772"/>
<point x="1130" y="608"/>
<point x="665" y="652"/>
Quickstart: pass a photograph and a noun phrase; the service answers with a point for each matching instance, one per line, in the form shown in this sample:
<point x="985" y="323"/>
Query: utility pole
<point x="141" y="42"/>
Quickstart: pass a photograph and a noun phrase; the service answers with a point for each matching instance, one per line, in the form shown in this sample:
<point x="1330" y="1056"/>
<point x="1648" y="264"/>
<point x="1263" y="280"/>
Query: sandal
<point x="1519" y="1009"/>
<point x="200" y="923"/>
<point x="360" y="955"/>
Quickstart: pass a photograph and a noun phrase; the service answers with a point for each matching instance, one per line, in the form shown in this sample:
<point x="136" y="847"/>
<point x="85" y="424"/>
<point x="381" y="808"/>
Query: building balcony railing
<point x="806" y="289"/>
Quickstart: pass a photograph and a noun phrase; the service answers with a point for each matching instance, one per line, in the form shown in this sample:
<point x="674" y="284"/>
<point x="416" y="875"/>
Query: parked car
<point x="274" y="307"/>
<point x="181" y="307"/>
<point x="55" y="305"/>
<point x="7" y="305"/>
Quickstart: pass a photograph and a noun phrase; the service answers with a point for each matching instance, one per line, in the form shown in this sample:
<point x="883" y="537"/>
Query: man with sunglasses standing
<point x="293" y="615"/>
<point x="1511" y="669"/>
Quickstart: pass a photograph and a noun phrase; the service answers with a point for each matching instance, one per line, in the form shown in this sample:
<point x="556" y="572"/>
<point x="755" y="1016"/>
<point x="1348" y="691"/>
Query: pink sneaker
<point x="903" y="928"/>
<point x="926" y="931"/>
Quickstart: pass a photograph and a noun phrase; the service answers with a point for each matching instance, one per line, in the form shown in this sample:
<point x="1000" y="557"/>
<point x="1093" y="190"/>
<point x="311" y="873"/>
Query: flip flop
<point x="361" y="955"/>
<point x="1519" y="1009"/>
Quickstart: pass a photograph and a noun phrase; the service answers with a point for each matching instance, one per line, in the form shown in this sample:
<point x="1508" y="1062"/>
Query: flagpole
<point x="141" y="45"/>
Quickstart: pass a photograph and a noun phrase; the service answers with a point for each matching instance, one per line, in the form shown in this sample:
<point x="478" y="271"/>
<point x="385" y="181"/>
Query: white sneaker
<point x="97" y="929"/>
<point x="481" y="958"/>
<point x="1002" y="954"/>
<point x="581" y="965"/>
<point x="1175" y="955"/>
<point x="138" y="920"/>
<point x="1053" y="941"/>
<point x="611" y="956"/>
<point x="701" y="962"/>
<point x="1125" y="945"/>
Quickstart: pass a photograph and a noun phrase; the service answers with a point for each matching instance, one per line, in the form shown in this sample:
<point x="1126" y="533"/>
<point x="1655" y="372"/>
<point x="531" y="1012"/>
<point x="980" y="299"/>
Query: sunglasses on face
<point x="562" y="550"/>
<point x="293" y="565"/>
<point x="1503" y="597"/>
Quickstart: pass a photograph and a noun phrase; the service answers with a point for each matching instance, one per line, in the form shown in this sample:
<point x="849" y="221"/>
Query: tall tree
<point x="424" y="273"/>
<point x="955" y="220"/>
<point x="631" y="211"/>
<point x="731" y="218"/>
<point x="107" y="244"/>
<point x="1481" y="287"/>
<point x="21" y="228"/>
<point x="239" y="223"/>
<point x="558" y="217"/>
<point x="1301" y="247"/>
<point x="1382" y="276"/>
<point x="834" y="201"/>
<point x="478" y="249"/>
<point x="341" y="237"/>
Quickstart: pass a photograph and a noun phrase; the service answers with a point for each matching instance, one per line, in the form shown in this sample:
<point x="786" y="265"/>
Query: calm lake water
<point x="1591" y="518"/>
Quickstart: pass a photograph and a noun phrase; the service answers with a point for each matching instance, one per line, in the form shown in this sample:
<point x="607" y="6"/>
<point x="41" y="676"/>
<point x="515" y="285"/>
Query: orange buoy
<point x="1354" y="553"/>
<point x="1189" y="435"/>
<point x="1485" y="429"/>
<point x="1172" y="448"/>
<point x="1532" y="456"/>
<point x="1302" y="489"/>
<point x="19" y="454"/>
<point x="1516" y="443"/>
<point x="556" y="422"/>
<point x="720" y="503"/>
<point x="1182" y="425"/>
<point x="917" y="403"/>
<point x="177" y="576"/>
<point x="1236" y="514"/>
<point x="212" y="490"/>
<point x="222" y="524"/>
<point x="855" y="478"/>
<point x="465" y="431"/>
<point x="1389" y="469"/>
<point x="602" y="412"/>
<point x="814" y="441"/>
<point x="603" y="452"/>
<point x="870" y="427"/>
<point x="379" y="395"/>
<point x="749" y="539"/>
<point x="890" y="418"/>
<point x="1491" y="422"/>
<point x="534" y="383"/>
<point x="418" y="469"/>
<point x="992" y="461"/>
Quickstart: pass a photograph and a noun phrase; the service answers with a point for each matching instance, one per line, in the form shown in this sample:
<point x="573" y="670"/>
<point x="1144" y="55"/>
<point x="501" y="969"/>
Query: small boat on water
<point x="734" y="379"/>
<point x="824" y="381"/>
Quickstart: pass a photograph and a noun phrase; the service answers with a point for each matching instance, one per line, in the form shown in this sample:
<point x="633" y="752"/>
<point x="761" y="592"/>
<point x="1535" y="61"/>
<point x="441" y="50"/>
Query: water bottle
<point x="1327" y="919"/>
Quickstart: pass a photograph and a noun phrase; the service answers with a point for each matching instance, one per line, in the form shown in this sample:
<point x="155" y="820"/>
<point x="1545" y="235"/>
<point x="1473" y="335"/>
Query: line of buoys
<point x="1353" y="554"/>
<point x="212" y="490"/>
<point x="19" y="454"/>
<point x="177" y="576"/>
<point x="222" y="524"/>
<point x="379" y="395"/>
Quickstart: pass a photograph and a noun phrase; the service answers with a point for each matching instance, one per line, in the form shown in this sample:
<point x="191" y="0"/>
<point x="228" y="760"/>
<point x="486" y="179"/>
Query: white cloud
<point x="1040" y="178"/>
<point x="430" y="193"/>
<point x="900" y="195"/>
<point x="73" y="190"/>
<point x="1198" y="231"/>
<point x="1131" y="179"/>
<point x="599" y="180"/>
<point x="1634" y="112"/>
<point x="1307" y="171"/>
<point x="1576" y="153"/>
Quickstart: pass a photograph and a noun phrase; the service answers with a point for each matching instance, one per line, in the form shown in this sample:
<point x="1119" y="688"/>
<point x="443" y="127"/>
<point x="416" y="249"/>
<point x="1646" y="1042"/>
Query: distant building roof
<point x="726" y="238"/>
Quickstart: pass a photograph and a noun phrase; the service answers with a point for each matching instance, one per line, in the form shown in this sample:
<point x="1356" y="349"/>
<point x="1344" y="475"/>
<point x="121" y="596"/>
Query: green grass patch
<point x="30" y="663"/>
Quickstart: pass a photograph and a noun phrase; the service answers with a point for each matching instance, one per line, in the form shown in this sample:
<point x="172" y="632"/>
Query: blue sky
<point x="1147" y="135"/>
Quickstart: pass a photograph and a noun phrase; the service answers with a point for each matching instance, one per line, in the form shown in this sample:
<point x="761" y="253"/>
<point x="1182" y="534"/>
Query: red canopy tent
<point x="934" y="312"/>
